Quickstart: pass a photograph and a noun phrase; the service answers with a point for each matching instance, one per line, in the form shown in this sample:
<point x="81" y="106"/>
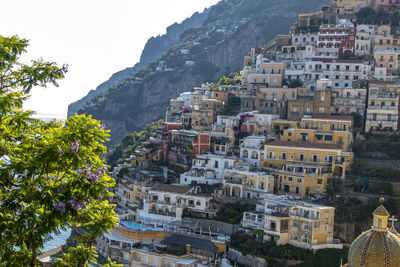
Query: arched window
<point x="254" y="155"/>
<point x="245" y="154"/>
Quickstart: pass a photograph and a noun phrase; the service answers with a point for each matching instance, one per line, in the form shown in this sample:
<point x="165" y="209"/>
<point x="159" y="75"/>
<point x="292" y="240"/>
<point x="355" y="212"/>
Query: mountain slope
<point x="231" y="28"/>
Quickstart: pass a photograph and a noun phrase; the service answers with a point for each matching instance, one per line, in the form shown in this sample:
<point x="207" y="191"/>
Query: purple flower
<point x="72" y="201"/>
<point x="103" y="126"/>
<point x="60" y="207"/>
<point x="60" y="190"/>
<point x="90" y="174"/>
<point x="65" y="68"/>
<point x="36" y="152"/>
<point x="59" y="150"/>
<point x="79" y="206"/>
<point x="75" y="146"/>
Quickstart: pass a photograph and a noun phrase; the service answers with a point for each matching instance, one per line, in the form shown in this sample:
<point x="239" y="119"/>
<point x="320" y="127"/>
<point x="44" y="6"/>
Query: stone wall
<point x="247" y="260"/>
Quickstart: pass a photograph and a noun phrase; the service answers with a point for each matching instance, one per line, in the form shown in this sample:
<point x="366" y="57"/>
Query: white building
<point x="251" y="149"/>
<point x="208" y="169"/>
<point x="166" y="203"/>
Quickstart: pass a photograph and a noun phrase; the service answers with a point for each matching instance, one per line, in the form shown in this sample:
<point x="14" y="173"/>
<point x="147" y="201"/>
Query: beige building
<point x="293" y="222"/>
<point x="144" y="258"/>
<point x="348" y="100"/>
<point x="204" y="115"/>
<point x="349" y="6"/>
<point x="246" y="184"/>
<point x="269" y="74"/>
<point x="223" y="135"/>
<point x="388" y="59"/>
<point x="383" y="106"/>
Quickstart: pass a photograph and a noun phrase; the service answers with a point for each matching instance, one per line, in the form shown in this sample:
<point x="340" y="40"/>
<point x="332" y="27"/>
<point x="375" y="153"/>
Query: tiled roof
<point x="172" y="188"/>
<point x="197" y="243"/>
<point x="304" y="145"/>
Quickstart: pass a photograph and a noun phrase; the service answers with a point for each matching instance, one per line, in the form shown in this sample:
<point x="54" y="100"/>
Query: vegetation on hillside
<point x="132" y="142"/>
<point x="280" y="255"/>
<point x="233" y="212"/>
<point x="369" y="16"/>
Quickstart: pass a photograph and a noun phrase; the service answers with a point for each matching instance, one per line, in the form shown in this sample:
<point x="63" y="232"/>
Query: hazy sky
<point x="95" y="37"/>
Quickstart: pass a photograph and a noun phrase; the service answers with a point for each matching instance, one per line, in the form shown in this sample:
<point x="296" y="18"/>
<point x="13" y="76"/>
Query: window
<point x="284" y="155"/>
<point x="271" y="155"/>
<point x="293" y="236"/>
<point x="290" y="178"/>
<point x="315" y="158"/>
<point x="299" y="180"/>
<point x="301" y="157"/>
<point x="319" y="136"/>
<point x="306" y="226"/>
<point x="216" y="164"/>
<point x="223" y="148"/>
<point x="198" y="203"/>
<point x="319" y="181"/>
<point x="216" y="148"/>
<point x="328" y="137"/>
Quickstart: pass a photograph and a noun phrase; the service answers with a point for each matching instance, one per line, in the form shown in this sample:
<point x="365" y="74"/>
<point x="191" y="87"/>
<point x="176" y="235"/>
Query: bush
<point x="233" y="212"/>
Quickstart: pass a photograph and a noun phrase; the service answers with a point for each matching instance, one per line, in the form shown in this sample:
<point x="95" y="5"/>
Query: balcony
<point x="163" y="213"/>
<point x="384" y="107"/>
<point x="233" y="180"/>
<point x="381" y="120"/>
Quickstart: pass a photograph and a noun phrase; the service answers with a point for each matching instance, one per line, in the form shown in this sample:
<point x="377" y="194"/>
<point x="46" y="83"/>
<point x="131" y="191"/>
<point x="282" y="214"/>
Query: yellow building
<point x="323" y="130"/>
<point x="293" y="222"/>
<point x="304" y="168"/>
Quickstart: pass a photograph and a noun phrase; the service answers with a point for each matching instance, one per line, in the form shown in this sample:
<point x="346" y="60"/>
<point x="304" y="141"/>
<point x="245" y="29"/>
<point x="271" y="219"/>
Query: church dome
<point x="379" y="246"/>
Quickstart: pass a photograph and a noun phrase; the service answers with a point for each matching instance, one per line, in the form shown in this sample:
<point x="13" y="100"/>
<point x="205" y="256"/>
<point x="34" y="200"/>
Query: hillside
<point x="202" y="54"/>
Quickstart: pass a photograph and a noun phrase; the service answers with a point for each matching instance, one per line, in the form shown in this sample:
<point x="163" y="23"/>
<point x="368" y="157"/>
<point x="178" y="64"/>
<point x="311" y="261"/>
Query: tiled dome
<point x="377" y="247"/>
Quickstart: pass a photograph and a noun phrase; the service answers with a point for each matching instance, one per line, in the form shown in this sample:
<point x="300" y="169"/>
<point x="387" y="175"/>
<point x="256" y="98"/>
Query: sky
<point x="96" y="38"/>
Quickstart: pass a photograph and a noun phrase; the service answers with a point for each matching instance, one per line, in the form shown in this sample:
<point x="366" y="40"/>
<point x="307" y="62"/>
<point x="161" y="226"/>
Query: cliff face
<point x="217" y="48"/>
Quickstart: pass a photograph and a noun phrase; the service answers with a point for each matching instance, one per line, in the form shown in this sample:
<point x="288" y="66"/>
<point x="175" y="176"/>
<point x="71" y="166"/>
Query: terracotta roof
<point x="333" y="117"/>
<point x="304" y="145"/>
<point x="172" y="188"/>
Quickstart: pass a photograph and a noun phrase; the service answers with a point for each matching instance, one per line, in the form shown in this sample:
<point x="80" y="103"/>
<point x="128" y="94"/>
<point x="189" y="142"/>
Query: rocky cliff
<point x="202" y="54"/>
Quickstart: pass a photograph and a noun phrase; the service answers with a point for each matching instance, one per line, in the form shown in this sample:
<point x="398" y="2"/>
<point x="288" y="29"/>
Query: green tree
<point x="51" y="174"/>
